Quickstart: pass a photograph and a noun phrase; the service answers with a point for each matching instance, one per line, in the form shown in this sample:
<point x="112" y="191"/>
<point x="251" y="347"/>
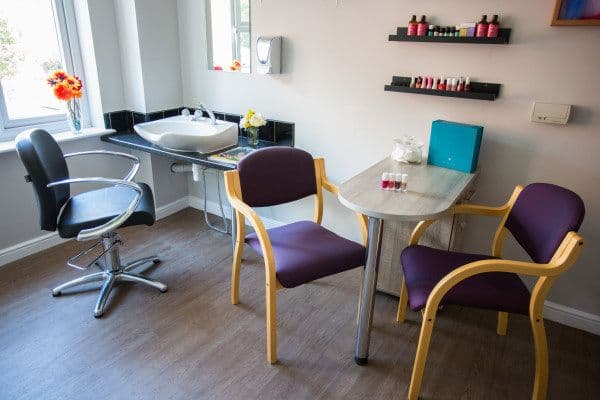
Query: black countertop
<point x="134" y="141"/>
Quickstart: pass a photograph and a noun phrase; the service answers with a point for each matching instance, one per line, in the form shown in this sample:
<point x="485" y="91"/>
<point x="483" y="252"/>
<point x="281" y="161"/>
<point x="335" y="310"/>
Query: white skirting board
<point x="572" y="317"/>
<point x="552" y="311"/>
<point x="51" y="239"/>
<point x="28" y="247"/>
<point x="213" y="208"/>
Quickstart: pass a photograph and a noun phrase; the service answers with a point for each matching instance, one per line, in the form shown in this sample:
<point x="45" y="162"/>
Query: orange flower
<point x="66" y="87"/>
<point x="235" y="66"/>
<point x="63" y="92"/>
<point x="79" y="84"/>
<point x="59" y="75"/>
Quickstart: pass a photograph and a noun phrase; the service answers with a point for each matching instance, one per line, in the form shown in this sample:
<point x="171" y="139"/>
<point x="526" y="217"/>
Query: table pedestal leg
<point x="367" y="299"/>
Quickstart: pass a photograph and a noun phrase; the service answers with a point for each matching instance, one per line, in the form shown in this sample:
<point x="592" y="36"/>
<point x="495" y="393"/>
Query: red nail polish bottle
<point x="442" y="84"/>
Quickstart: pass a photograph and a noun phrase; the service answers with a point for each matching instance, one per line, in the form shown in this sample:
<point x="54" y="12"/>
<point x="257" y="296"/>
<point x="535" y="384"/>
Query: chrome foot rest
<point x="113" y="271"/>
<point x="71" y="262"/>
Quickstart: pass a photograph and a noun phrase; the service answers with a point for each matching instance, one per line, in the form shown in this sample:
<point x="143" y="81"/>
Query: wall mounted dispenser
<point x="268" y="52"/>
<point x="550" y="113"/>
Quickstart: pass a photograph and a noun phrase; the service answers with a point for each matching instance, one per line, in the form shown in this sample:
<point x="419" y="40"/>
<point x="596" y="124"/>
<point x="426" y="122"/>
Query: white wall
<point x="105" y="53"/>
<point x="159" y="53"/>
<point x="110" y="40"/>
<point x="337" y="60"/>
<point x="131" y="63"/>
<point x="19" y="214"/>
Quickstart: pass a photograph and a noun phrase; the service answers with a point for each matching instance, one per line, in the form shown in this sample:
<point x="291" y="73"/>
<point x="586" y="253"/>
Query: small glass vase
<point x="252" y="135"/>
<point x="74" y="115"/>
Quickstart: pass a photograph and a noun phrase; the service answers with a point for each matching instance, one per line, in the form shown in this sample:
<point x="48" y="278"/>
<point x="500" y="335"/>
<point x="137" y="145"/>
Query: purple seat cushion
<point x="542" y="216"/>
<point x="276" y="175"/>
<point x="424" y="267"/>
<point x="305" y="251"/>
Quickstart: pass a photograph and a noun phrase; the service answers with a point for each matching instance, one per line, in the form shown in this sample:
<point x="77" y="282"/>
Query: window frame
<point x="238" y="27"/>
<point x="68" y="41"/>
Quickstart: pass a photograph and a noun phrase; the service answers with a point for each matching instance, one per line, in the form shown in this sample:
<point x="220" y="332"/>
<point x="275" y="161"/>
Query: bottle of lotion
<point x="482" y="27"/>
<point x="423" y="26"/>
<point x="412" y="26"/>
<point x="493" y="27"/>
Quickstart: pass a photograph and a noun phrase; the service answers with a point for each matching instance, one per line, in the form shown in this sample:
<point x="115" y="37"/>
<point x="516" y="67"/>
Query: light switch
<point x="550" y="113"/>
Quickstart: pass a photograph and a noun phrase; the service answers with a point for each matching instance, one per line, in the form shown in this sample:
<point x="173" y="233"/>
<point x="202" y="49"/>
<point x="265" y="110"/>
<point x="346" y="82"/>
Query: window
<point x="228" y="34"/>
<point x="241" y="30"/>
<point x="36" y="37"/>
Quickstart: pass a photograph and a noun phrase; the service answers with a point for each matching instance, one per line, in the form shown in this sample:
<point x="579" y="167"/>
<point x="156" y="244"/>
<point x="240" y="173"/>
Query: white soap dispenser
<point x="268" y="52"/>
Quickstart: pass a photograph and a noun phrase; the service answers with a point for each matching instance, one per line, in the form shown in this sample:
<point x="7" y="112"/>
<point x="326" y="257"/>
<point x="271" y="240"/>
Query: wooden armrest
<point x="327" y="185"/>
<point x="479" y="210"/>
<point x="481" y="267"/>
<point x="564" y="257"/>
<point x="232" y="189"/>
<point x="470" y="209"/>
<point x="332" y="188"/>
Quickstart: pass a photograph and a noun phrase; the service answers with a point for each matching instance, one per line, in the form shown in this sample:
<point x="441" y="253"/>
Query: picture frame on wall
<point x="576" y="13"/>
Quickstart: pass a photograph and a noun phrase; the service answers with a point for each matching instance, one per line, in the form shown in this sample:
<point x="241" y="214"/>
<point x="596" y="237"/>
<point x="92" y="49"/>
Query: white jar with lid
<point x="408" y="150"/>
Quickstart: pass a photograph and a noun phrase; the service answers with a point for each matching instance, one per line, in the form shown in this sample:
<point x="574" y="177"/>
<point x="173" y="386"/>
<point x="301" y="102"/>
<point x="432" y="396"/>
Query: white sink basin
<point x="182" y="134"/>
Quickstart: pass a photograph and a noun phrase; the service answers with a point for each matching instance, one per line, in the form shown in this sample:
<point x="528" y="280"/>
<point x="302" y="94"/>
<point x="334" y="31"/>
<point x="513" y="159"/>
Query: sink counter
<point x="133" y="140"/>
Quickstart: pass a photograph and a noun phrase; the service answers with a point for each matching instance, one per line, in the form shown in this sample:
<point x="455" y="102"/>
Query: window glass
<point x="228" y="30"/>
<point x="30" y="51"/>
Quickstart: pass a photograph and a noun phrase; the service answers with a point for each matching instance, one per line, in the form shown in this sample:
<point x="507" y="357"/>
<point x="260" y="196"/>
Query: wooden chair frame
<point x="243" y="211"/>
<point x="563" y="259"/>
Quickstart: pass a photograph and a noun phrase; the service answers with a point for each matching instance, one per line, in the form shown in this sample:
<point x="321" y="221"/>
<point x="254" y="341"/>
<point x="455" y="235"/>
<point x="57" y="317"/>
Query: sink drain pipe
<point x="197" y="171"/>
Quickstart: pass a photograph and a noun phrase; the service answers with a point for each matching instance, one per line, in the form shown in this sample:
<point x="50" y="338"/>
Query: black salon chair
<point x="91" y="215"/>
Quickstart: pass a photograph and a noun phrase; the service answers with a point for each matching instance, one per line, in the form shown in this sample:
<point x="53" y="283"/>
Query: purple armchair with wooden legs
<point x="296" y="253"/>
<point x="544" y="219"/>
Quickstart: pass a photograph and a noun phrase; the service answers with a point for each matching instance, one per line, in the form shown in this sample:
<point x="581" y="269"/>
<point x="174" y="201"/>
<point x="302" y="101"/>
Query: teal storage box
<point x="455" y="146"/>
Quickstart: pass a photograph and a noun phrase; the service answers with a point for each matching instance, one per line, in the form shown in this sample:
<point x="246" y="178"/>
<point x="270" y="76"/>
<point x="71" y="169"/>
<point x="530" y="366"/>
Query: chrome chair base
<point x="113" y="272"/>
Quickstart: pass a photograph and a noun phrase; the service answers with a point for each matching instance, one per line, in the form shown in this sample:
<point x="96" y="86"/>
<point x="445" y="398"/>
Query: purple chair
<point x="296" y="253"/>
<point x="544" y="219"/>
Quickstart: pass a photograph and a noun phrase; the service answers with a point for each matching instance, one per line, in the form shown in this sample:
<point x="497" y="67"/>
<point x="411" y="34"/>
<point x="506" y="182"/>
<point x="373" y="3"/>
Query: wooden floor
<point x="191" y="343"/>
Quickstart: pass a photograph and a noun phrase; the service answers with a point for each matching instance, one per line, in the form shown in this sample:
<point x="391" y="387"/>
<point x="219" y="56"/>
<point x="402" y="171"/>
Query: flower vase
<point x="252" y="135"/>
<point x="74" y="117"/>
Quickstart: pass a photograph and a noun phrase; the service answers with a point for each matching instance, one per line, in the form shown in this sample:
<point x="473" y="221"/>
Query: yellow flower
<point x="249" y="114"/>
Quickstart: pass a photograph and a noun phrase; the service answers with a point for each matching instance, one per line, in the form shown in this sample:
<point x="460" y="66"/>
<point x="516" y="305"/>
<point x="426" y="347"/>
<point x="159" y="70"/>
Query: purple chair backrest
<point x="541" y="217"/>
<point x="276" y="175"/>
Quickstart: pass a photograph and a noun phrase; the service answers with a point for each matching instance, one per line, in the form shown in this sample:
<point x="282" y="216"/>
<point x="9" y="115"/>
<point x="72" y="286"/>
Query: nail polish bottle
<point x="442" y="31"/>
<point x="397" y="182"/>
<point x="436" y="31"/>
<point x="404" y="184"/>
<point x="385" y="181"/>
<point x="430" y="31"/>
<point x="454" y="85"/>
<point x="412" y="82"/>
<point x="434" y="85"/>
<point x="429" y="82"/>
<point x="467" y="84"/>
<point x="442" y="84"/>
<point x="461" y="85"/>
<point x="448" y="84"/>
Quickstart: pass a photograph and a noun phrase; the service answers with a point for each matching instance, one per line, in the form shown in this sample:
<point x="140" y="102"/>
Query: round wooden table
<point x="431" y="192"/>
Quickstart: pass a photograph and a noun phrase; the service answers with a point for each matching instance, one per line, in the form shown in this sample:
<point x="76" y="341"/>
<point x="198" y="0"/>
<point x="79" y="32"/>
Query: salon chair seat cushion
<point x="94" y="208"/>
<point x="424" y="267"/>
<point x="305" y="251"/>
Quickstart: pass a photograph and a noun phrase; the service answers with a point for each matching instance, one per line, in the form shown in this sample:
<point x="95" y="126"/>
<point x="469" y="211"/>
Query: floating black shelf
<point x="402" y="36"/>
<point x="479" y="90"/>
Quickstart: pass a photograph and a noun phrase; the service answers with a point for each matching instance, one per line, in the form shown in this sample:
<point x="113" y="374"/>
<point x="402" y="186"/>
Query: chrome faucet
<point x="201" y="107"/>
